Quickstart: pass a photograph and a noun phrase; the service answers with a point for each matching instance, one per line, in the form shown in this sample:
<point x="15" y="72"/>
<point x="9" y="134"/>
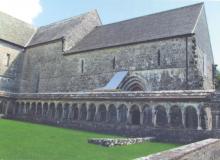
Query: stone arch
<point x="66" y="111"/>
<point x="133" y="83"/>
<point x="191" y="118"/>
<point x="112" y="113"/>
<point x="75" y="112"/>
<point x="175" y="116"/>
<point x="59" y="111"/>
<point x="91" y="112"/>
<point x="147" y="115"/>
<point x="122" y="113"/>
<point x="33" y="109"/>
<point x="83" y="112"/>
<point x="135" y="115"/>
<point x="52" y="111"/>
<point x="102" y="112"/>
<point x="45" y="109"/>
<point x="39" y="109"/>
<point x="161" y="116"/>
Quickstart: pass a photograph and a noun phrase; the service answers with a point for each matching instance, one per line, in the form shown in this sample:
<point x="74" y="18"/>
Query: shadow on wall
<point x="11" y="59"/>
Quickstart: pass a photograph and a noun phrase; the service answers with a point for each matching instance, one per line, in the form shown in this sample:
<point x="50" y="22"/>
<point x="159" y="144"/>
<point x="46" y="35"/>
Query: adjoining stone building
<point x="148" y="75"/>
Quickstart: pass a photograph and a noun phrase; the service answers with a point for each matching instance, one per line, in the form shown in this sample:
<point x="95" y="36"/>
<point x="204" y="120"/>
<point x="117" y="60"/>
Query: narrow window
<point x="158" y="58"/>
<point x="82" y="66"/>
<point x="113" y="61"/>
<point x="8" y="60"/>
<point x="205" y="65"/>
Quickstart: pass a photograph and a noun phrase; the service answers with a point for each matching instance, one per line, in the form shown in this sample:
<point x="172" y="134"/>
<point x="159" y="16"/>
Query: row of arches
<point x="193" y="117"/>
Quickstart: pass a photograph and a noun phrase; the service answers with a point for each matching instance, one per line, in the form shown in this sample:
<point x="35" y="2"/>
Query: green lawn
<point x="26" y="141"/>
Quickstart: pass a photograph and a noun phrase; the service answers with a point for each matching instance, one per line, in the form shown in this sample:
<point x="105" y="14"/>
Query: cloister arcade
<point x="172" y="115"/>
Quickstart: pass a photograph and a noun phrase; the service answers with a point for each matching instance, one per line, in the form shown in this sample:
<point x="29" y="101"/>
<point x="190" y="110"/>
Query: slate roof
<point x="56" y="30"/>
<point x="14" y="30"/>
<point x="170" y="23"/>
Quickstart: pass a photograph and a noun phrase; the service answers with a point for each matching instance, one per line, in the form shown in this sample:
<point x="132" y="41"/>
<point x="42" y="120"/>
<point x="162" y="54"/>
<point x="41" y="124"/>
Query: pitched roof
<point x="14" y="30"/>
<point x="58" y="29"/>
<point x="170" y="23"/>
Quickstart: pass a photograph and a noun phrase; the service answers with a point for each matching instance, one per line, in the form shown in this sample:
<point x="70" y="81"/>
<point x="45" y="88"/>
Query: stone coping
<point x="184" y="152"/>
<point x="110" y="142"/>
<point x="179" y="94"/>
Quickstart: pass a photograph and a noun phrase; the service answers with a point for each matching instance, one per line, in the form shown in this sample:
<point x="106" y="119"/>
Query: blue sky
<point x="117" y="10"/>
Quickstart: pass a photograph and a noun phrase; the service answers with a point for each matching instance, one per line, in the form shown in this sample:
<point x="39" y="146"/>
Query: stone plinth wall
<point x="110" y="142"/>
<point x="183" y="136"/>
<point x="204" y="150"/>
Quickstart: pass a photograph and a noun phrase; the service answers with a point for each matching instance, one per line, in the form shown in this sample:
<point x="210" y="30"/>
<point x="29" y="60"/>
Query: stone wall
<point x="46" y="69"/>
<point x="10" y="66"/>
<point x="204" y="150"/>
<point x="204" y="51"/>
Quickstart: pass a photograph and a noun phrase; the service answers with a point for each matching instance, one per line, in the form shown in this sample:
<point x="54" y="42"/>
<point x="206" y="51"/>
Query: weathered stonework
<point x="111" y="142"/>
<point x="58" y="75"/>
<point x="203" y="150"/>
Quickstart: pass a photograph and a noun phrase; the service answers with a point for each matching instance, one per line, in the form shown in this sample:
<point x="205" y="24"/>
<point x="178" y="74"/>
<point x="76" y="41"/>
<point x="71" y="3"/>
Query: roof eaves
<point x="43" y="43"/>
<point x="12" y="43"/>
<point x="69" y="52"/>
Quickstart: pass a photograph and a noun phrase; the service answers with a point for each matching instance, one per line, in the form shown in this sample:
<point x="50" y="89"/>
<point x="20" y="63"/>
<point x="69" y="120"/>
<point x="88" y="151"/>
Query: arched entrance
<point x="112" y="113"/>
<point x="102" y="113"/>
<point x="122" y="111"/>
<point x="161" y="116"/>
<point x="91" y="112"/>
<point x="135" y="115"/>
<point x="175" y="116"/>
<point x="147" y="119"/>
<point x="191" y="118"/>
<point x="133" y="83"/>
<point x="75" y="112"/>
<point x="83" y="112"/>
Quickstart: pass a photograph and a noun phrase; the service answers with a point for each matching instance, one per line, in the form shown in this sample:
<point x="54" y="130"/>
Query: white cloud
<point x="25" y="10"/>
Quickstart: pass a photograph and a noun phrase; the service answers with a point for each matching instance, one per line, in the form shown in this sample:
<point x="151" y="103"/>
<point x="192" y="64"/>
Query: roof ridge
<point x="152" y="14"/>
<point x="67" y="19"/>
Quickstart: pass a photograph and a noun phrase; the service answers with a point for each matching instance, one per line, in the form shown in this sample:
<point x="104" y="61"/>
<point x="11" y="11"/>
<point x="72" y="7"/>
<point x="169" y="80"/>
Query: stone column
<point x="154" y="117"/>
<point x="183" y="117"/>
<point x="87" y="111"/>
<point x="217" y="121"/>
<point x="42" y="109"/>
<point x="117" y="115"/>
<point x="56" y="113"/>
<point x="63" y="113"/>
<point x="168" y="115"/>
<point x="69" y="113"/>
<point x="128" y="116"/>
<point x="199" y="119"/>
<point x="96" y="118"/>
<point x="141" y="117"/>
<point x="107" y="113"/>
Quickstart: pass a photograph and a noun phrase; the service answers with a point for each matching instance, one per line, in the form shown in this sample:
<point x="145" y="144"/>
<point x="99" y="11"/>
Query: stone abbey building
<point x="151" y="75"/>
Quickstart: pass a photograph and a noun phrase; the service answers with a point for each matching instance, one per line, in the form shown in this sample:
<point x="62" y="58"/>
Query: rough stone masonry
<point x="148" y="76"/>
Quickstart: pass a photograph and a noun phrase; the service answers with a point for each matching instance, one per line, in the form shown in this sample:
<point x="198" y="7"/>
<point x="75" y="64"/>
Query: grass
<point x="26" y="141"/>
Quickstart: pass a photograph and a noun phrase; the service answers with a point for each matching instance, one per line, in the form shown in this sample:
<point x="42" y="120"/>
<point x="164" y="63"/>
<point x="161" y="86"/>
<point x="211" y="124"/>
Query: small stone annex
<point x="148" y="76"/>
